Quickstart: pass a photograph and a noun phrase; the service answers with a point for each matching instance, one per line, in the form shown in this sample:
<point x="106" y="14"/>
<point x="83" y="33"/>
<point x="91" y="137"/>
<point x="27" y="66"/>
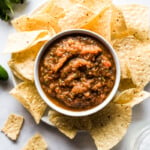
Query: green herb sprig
<point x="7" y="8"/>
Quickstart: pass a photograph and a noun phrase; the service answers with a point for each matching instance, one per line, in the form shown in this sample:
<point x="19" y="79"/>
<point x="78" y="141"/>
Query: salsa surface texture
<point x="77" y="72"/>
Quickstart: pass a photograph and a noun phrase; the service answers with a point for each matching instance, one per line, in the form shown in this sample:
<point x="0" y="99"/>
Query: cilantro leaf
<point x="6" y="8"/>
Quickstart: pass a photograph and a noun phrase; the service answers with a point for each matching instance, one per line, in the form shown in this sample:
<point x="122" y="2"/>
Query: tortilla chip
<point x="137" y="18"/>
<point x="21" y="41"/>
<point x="22" y="63"/>
<point x="110" y="125"/>
<point x="69" y="125"/>
<point x="47" y="20"/>
<point x="107" y="126"/>
<point x="28" y="96"/>
<point x="75" y="17"/>
<point x="118" y="24"/>
<point x="37" y="22"/>
<point x="63" y="128"/>
<point x="141" y="96"/>
<point x="61" y="125"/>
<point x="139" y="65"/>
<point x="22" y="70"/>
<point x="126" y="84"/>
<point x="131" y="97"/>
<point x="37" y="142"/>
<point x="54" y="8"/>
<point x="96" y="6"/>
<point x="13" y="126"/>
<point x="16" y="73"/>
<point x="39" y="9"/>
<point x="123" y="47"/>
<point x="61" y="121"/>
<point x="101" y="24"/>
<point x="69" y="133"/>
<point x="74" y="13"/>
<point x="126" y="96"/>
<point x="57" y="8"/>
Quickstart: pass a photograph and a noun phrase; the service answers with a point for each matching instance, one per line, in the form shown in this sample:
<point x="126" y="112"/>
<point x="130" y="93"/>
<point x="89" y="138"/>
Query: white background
<point x="55" y="140"/>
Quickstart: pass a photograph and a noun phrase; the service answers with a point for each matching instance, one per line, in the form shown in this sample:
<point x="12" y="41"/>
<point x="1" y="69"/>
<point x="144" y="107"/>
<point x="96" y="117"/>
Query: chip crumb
<point x="13" y="126"/>
<point x="37" y="142"/>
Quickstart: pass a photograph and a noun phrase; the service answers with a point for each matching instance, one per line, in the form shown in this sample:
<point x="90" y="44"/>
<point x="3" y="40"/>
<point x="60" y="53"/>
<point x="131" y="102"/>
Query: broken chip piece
<point x="37" y="142"/>
<point x="13" y="126"/>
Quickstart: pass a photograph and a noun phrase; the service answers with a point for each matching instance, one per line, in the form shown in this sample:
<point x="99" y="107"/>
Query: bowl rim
<point x="63" y="110"/>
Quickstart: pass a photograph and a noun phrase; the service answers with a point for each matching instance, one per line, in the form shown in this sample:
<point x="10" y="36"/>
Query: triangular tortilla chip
<point x="137" y="18"/>
<point x="123" y="47"/>
<point x="118" y="24"/>
<point x="57" y="8"/>
<point x="96" y="6"/>
<point x="28" y="96"/>
<point x="22" y="63"/>
<point x="126" y="84"/>
<point x="75" y="17"/>
<point x="107" y="126"/>
<point x="101" y="24"/>
<point x="69" y="125"/>
<point x="67" y="131"/>
<point x="53" y="8"/>
<point x="22" y="41"/>
<point x="110" y="125"/>
<point x="37" y="22"/>
<point x="139" y="65"/>
<point x="131" y="97"/>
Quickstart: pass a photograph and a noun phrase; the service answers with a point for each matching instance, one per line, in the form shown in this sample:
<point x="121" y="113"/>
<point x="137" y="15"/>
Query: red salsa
<point x="77" y="72"/>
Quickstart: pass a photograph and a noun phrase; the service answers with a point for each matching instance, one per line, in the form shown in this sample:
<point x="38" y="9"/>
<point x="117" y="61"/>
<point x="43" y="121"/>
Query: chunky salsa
<point x="77" y="72"/>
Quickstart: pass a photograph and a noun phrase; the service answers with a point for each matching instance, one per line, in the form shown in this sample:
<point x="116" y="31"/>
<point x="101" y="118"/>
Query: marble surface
<point x="54" y="138"/>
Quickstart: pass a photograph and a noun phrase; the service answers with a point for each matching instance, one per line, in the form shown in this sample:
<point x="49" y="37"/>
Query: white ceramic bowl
<point x="71" y="112"/>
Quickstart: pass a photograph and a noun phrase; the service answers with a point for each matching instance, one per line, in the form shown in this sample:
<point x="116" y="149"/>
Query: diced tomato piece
<point x="107" y="64"/>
